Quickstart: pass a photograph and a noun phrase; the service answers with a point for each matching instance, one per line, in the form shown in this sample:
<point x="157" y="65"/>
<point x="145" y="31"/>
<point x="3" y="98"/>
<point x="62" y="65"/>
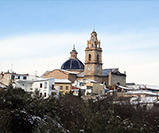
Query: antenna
<point x="74" y="47"/>
<point x="12" y="67"/>
<point x="93" y="27"/>
<point x="35" y="72"/>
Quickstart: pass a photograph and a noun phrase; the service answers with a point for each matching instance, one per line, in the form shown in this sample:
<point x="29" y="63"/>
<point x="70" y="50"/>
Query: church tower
<point x="93" y="59"/>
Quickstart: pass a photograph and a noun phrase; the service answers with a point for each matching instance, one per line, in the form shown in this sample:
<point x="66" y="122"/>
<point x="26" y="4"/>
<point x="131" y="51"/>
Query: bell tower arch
<point x="93" y="59"/>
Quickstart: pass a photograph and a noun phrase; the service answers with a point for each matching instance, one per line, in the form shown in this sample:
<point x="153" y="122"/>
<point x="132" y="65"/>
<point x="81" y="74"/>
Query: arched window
<point x="92" y="38"/>
<point x="89" y="57"/>
<point x="97" y="57"/>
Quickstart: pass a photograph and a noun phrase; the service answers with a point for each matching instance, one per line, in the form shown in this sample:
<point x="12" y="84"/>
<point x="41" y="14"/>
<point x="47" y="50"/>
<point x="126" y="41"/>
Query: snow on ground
<point x="143" y="100"/>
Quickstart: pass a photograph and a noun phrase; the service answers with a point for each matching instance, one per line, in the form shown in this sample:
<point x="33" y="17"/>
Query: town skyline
<point x="39" y="35"/>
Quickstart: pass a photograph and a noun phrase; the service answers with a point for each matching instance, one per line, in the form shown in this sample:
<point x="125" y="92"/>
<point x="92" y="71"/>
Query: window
<point x="45" y="85"/>
<point x="23" y="84"/>
<point x="100" y="92"/>
<point x="97" y="57"/>
<point x="24" y="77"/>
<point x="66" y="87"/>
<point x="12" y="77"/>
<point x="89" y="57"/>
<point x="92" y="45"/>
<point x="61" y="87"/>
<point x="92" y="38"/>
<point x="18" y="77"/>
<point x="41" y="85"/>
<point x="40" y="94"/>
<point x="44" y="94"/>
<point x="52" y="87"/>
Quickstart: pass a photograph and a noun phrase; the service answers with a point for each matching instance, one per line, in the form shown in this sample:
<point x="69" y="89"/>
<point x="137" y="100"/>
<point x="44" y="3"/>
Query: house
<point x="8" y="77"/>
<point x="64" y="85"/>
<point x="89" y="87"/>
<point x="46" y="86"/>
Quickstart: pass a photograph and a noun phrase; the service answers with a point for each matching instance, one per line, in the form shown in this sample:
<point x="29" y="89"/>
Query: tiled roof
<point x="73" y="64"/>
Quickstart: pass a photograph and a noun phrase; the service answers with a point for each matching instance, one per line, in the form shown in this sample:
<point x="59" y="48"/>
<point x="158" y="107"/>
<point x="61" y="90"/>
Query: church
<point x="73" y="69"/>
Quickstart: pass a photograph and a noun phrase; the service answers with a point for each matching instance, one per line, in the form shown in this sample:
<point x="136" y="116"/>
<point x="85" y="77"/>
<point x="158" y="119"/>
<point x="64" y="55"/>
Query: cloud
<point x="135" y="53"/>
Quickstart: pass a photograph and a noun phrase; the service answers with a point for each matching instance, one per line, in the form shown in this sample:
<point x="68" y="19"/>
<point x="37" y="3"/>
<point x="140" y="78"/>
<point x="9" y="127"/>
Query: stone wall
<point x="114" y="78"/>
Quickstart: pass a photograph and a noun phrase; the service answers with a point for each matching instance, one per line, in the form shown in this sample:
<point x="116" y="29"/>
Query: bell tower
<point x="93" y="59"/>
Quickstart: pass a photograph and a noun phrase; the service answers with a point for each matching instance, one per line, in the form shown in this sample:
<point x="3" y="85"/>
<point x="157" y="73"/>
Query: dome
<point x="73" y="64"/>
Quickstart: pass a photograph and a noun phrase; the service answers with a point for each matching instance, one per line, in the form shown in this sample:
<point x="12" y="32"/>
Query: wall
<point x="59" y="74"/>
<point x="105" y="79"/>
<point x="72" y="77"/>
<point x="98" y="89"/>
<point x="113" y="79"/>
<point x="5" y="79"/>
<point x="63" y="91"/>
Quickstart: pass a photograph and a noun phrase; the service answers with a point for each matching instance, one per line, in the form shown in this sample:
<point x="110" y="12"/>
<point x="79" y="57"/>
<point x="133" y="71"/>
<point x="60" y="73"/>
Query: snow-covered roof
<point x="152" y="87"/>
<point x="92" y="81"/>
<point x="42" y="79"/>
<point x="67" y="71"/>
<point x="22" y="80"/>
<point x="62" y="81"/>
<point x="88" y="80"/>
<point x="144" y="86"/>
<point x="105" y="72"/>
<point x="33" y="80"/>
<point x="141" y="92"/>
<point x="111" y="91"/>
<point x="133" y="86"/>
<point x="80" y="74"/>
<point x="126" y="88"/>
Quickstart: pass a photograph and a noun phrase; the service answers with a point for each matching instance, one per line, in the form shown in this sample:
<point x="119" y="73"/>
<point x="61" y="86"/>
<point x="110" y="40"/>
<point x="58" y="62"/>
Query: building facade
<point x="45" y="86"/>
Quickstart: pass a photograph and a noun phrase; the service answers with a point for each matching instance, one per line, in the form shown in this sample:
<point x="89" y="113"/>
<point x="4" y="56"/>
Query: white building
<point x="46" y="86"/>
<point x="84" y="85"/>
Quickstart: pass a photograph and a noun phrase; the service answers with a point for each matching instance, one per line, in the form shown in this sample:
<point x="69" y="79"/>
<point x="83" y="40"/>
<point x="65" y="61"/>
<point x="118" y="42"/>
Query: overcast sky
<point x="38" y="35"/>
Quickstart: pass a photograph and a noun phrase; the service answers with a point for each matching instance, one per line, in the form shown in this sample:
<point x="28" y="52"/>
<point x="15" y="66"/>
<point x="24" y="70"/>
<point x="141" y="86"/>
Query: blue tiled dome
<point x="73" y="64"/>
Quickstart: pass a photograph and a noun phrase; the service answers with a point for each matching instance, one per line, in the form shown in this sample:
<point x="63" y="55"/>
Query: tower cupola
<point x="73" y="53"/>
<point x="93" y="43"/>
